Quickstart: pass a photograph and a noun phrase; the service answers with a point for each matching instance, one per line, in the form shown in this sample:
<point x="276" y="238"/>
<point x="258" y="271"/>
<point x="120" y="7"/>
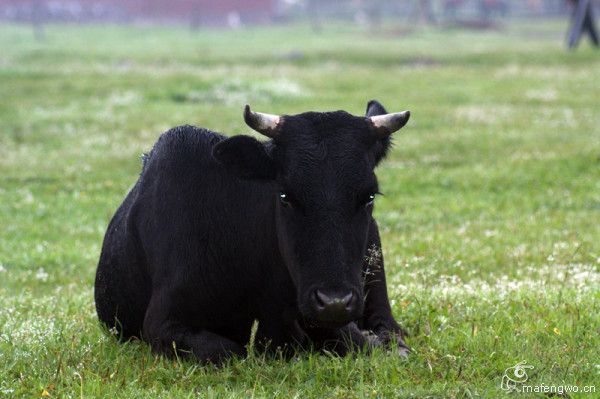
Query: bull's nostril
<point x="322" y="299"/>
<point x="347" y="301"/>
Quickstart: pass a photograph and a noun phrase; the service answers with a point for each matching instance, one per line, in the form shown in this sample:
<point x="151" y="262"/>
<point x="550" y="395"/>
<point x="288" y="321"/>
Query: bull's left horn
<point x="265" y="124"/>
<point x="384" y="125"/>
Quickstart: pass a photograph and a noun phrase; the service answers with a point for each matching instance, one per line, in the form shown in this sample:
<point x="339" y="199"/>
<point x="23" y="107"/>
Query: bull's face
<point x="322" y="169"/>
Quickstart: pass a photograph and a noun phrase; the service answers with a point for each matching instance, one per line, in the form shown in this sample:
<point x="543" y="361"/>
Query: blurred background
<point x="234" y="13"/>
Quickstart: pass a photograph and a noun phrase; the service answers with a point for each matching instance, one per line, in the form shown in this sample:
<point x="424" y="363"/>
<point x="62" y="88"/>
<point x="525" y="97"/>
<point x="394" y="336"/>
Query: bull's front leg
<point x="279" y="329"/>
<point x="168" y="334"/>
<point x="377" y="316"/>
<point x="340" y="341"/>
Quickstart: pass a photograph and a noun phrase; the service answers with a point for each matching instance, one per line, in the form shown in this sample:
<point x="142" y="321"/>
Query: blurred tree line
<point x="480" y="14"/>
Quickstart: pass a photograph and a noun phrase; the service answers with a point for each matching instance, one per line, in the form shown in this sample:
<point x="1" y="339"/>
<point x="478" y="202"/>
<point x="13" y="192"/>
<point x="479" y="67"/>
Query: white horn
<point x="384" y="125"/>
<point x="265" y="124"/>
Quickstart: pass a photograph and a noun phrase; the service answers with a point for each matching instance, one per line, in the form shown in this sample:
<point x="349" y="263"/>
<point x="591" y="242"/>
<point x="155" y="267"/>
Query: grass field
<point x="490" y="218"/>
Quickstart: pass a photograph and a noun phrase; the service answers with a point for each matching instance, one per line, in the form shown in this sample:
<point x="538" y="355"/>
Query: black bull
<point x="219" y="232"/>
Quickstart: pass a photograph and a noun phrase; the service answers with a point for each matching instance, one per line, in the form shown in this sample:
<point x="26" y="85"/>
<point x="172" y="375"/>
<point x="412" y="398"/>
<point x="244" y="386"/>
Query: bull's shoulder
<point x="189" y="135"/>
<point x="183" y="142"/>
<point x="180" y="162"/>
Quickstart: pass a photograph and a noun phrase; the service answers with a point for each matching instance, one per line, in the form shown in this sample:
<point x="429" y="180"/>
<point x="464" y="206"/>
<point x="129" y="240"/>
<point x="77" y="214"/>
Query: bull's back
<point x="181" y="191"/>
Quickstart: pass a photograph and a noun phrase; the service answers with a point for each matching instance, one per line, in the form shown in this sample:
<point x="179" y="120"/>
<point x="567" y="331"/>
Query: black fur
<point x="203" y="244"/>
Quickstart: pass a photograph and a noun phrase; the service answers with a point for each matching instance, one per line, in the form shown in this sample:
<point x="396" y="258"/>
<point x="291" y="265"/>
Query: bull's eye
<point x="370" y="200"/>
<point x="284" y="199"/>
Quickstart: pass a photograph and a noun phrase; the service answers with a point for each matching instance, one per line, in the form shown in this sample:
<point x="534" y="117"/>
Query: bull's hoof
<point x="403" y="349"/>
<point x="389" y="340"/>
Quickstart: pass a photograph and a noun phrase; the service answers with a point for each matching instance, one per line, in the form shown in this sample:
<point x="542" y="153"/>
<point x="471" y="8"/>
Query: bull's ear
<point x="381" y="146"/>
<point x="246" y="157"/>
<point x="375" y="108"/>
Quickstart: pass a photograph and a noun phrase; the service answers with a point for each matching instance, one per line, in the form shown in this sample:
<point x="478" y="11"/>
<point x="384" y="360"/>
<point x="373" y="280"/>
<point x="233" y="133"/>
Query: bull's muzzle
<point x="334" y="308"/>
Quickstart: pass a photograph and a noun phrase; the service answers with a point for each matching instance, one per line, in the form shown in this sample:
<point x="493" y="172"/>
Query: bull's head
<point x="321" y="167"/>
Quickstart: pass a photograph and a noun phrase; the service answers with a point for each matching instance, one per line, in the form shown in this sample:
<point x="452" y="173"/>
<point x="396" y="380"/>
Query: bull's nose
<point x="332" y="307"/>
<point x="326" y="301"/>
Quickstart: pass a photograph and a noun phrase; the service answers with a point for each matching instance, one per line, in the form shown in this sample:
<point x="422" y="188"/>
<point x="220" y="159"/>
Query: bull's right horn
<point x="384" y="125"/>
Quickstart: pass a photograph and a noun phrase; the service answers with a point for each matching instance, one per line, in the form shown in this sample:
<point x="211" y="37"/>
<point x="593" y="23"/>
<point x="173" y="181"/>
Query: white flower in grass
<point x="561" y="245"/>
<point x="519" y="251"/>
<point x="41" y="275"/>
<point x="28" y="197"/>
<point x="545" y="95"/>
<point x="2" y="269"/>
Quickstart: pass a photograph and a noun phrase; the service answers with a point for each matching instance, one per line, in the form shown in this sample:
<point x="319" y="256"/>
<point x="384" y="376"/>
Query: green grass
<point x="490" y="219"/>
